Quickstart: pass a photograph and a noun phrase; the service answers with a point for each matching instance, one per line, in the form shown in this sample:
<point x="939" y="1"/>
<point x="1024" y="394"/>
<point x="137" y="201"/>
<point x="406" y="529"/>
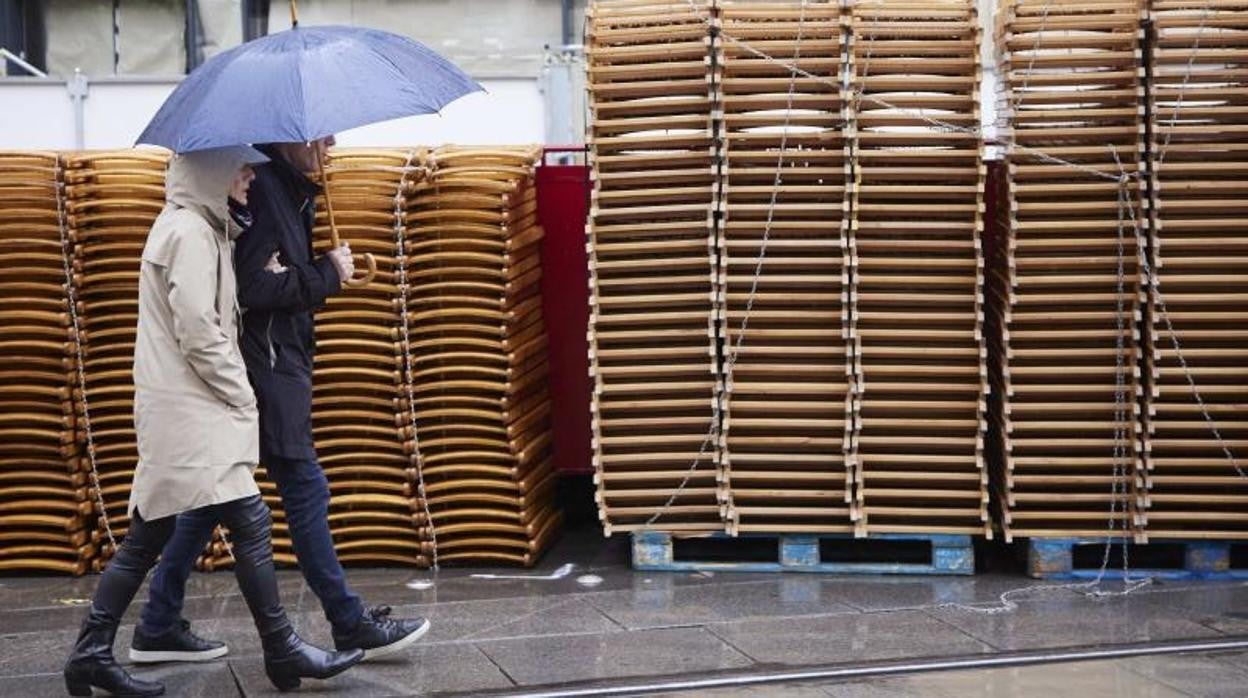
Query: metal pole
<point x="192" y="35"/>
<point x="78" y="87"/>
<point x="255" y="19"/>
<point x="116" y="35"/>
<point x="567" y="21"/>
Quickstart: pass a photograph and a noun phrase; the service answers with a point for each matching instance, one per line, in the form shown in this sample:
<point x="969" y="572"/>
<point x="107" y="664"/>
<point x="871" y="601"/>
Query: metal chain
<point x="713" y="426"/>
<point x="1125" y="205"/>
<point x="400" y="237"/>
<point x="1155" y="281"/>
<point x="1119" y="487"/>
<point x="1206" y="12"/>
<point x="978" y="130"/>
<point x="71" y="291"/>
<point x="918" y="113"/>
<point x="1031" y="64"/>
<point x="730" y="364"/>
<point x="1121" y="470"/>
<point x="860" y="92"/>
<point x="1160" y="299"/>
<point x="225" y="540"/>
<point x="1122" y="474"/>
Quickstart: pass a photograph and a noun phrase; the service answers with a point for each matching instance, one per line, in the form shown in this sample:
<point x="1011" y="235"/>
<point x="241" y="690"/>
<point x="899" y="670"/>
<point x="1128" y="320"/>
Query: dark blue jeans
<point x="305" y="497"/>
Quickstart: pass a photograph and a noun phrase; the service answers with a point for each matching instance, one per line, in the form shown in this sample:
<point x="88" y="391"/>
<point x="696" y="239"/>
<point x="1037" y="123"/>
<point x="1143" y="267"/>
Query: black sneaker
<point x="177" y="645"/>
<point x="379" y="635"/>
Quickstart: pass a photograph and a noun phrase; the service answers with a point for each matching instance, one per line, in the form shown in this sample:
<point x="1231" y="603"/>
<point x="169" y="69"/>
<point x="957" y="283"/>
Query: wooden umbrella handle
<point x="369" y="261"/>
<point x="368" y="276"/>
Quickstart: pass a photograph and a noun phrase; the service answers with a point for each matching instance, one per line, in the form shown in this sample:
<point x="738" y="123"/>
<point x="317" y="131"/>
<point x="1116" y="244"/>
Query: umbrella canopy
<point x="303" y="84"/>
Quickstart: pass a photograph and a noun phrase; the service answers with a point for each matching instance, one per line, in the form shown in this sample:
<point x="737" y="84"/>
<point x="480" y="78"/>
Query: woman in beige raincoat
<point x="196" y="420"/>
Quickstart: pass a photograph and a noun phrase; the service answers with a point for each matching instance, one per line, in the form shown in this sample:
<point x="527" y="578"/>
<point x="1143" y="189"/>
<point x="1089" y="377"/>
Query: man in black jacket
<point x="280" y="284"/>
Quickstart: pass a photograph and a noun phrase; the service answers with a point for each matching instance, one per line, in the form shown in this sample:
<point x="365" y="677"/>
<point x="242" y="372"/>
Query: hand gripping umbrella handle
<point x="333" y="229"/>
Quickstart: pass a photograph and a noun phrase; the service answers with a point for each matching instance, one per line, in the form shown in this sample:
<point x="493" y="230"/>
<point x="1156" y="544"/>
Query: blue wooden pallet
<point x="1053" y="558"/>
<point x="950" y="555"/>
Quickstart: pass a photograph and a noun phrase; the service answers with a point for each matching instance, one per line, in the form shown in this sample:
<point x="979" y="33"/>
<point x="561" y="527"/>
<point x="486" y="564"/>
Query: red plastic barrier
<point x="563" y="204"/>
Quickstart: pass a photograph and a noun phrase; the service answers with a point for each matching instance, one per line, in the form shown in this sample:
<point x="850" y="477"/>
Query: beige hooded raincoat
<point x="194" y="410"/>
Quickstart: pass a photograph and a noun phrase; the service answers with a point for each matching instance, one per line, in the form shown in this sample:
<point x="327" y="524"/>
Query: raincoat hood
<point x="200" y="181"/>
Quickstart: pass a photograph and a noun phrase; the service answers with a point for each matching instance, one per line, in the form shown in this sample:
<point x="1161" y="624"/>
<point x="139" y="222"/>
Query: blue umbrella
<point x="303" y="84"/>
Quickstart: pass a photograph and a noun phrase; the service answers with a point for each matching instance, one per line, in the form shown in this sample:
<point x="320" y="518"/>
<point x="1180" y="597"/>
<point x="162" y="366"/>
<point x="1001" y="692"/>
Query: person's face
<point x="320" y="148"/>
<point x="304" y="155"/>
<point x="241" y="183"/>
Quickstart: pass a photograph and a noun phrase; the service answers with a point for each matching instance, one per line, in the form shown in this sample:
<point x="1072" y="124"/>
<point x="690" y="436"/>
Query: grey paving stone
<point x="206" y="680"/>
<point x="899" y="593"/>
<point x="847" y="638"/>
<point x="422" y="671"/>
<point x="1076" y="621"/>
<point x="660" y="606"/>
<point x="461" y="586"/>
<point x="17" y="593"/>
<point x="556" y="659"/>
<point x="213" y="595"/>
<point x="37" y="686"/>
<point x="464" y="588"/>
<point x="504" y="618"/>
<point x="882" y="688"/>
<point x="1206" y="676"/>
<point x="1228" y="625"/>
<point x="1102" y="679"/>
<point x="1208" y="602"/>
<point x="36" y="653"/>
<point x="1238" y="659"/>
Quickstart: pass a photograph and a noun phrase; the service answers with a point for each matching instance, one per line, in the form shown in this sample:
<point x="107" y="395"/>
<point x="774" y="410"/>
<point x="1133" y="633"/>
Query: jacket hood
<point x="201" y="180"/>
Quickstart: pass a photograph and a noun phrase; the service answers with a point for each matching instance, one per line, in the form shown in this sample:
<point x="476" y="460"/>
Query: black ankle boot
<point x="288" y="659"/>
<point x="92" y="663"/>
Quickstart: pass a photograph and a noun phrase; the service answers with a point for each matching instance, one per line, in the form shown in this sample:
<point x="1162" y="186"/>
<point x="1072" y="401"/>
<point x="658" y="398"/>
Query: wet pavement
<point x="497" y="634"/>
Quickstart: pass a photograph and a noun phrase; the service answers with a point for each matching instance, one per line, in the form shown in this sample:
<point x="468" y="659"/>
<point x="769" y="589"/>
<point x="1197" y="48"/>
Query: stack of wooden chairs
<point x="112" y="199"/>
<point x="652" y="251"/>
<point x="375" y="515"/>
<point x="431" y="409"/>
<point x="437" y="431"/>
<point x="787" y="409"/>
<point x="1070" y="287"/>
<point x="847" y="230"/>
<point x="46" y="507"/>
<point x="918" y="270"/>
<point x="359" y="422"/>
<point x="1198" y="106"/>
<point x="479" y="424"/>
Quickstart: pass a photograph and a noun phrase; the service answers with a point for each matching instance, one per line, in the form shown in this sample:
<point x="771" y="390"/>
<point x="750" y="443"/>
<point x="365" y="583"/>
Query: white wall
<point x="35" y="115"/>
<point x="509" y="112"/>
<point x="38" y="114"/>
<point x="115" y="113"/>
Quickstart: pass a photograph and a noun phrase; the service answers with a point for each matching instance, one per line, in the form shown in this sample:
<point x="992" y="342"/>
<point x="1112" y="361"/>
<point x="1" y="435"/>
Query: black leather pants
<point x="250" y="525"/>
